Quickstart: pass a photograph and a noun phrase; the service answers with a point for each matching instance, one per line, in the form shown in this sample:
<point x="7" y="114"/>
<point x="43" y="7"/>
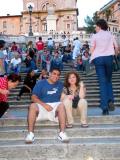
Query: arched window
<point x="45" y="6"/>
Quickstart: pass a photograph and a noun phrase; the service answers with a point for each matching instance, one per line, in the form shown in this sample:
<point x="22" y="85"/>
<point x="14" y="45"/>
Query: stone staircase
<point x="100" y="141"/>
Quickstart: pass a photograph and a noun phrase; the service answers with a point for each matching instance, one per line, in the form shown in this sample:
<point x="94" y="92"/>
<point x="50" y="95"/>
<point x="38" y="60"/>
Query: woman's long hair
<point x="67" y="84"/>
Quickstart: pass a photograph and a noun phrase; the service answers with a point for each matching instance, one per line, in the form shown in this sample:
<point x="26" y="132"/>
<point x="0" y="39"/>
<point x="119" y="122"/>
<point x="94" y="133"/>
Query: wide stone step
<point x="41" y="132"/>
<point x="52" y="149"/>
<point x="85" y="79"/>
<point x="111" y="119"/>
<point x="26" y="104"/>
<point x="88" y="95"/>
<point x="93" y="88"/>
<point x="82" y="75"/>
<point x="91" y="99"/>
<point x="116" y="91"/>
<point x="87" y="84"/>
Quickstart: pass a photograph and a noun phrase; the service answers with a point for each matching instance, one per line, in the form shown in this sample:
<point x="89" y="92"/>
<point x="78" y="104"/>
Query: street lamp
<point x="30" y="7"/>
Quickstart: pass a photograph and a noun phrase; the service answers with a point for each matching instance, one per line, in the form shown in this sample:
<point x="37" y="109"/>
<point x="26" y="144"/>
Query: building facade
<point x="111" y="12"/>
<point x="64" y="12"/>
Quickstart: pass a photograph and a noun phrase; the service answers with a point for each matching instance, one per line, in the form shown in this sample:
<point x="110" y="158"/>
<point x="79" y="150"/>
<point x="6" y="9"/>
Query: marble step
<point x="26" y="104"/>
<point x="88" y="88"/>
<point x="41" y="132"/>
<point x="91" y="91"/>
<point x="95" y="99"/>
<point x="98" y="119"/>
<point x="88" y="95"/>
<point x="52" y="149"/>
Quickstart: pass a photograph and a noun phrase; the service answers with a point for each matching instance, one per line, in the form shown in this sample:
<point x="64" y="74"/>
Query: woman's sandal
<point x="69" y="126"/>
<point x="84" y="125"/>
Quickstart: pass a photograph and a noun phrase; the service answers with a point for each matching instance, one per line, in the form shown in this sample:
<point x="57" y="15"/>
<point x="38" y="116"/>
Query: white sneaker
<point x="63" y="137"/>
<point x="29" y="138"/>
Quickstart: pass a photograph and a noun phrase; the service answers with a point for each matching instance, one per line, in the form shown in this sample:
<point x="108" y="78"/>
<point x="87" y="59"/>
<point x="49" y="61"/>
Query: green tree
<point x="90" y="23"/>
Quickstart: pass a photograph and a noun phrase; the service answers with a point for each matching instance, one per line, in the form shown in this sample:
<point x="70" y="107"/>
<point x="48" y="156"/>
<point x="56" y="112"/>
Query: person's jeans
<point x="6" y="66"/>
<point x="103" y="67"/>
<point x="50" y="49"/>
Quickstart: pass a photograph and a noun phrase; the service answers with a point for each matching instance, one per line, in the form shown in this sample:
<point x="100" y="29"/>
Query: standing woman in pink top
<point x="103" y="47"/>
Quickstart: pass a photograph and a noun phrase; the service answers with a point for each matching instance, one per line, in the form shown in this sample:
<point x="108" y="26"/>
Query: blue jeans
<point x="103" y="67"/>
<point x="50" y="49"/>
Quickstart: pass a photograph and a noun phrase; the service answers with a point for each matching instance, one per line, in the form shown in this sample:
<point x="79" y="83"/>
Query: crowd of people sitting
<point x="47" y="55"/>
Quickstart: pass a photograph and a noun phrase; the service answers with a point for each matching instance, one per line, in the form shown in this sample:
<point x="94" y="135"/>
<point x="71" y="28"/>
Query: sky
<point x="86" y="7"/>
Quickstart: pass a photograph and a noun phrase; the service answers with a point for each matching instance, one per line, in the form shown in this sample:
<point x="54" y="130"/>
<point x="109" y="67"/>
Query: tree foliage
<point x="90" y="23"/>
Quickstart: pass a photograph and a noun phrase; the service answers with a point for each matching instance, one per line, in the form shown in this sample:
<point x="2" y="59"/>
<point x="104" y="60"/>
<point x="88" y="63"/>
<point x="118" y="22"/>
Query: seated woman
<point x="28" y="85"/>
<point x="79" y="63"/>
<point x="73" y="96"/>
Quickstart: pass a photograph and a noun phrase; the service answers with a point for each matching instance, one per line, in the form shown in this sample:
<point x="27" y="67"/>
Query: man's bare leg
<point x="62" y="123"/>
<point x="61" y="117"/>
<point x="32" y="114"/>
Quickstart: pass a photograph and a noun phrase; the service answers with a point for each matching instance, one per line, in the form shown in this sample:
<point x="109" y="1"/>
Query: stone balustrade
<point x="57" y="37"/>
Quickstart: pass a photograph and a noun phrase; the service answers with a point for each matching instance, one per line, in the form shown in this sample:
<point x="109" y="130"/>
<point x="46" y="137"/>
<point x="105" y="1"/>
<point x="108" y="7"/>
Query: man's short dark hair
<point x="55" y="69"/>
<point x="14" y="77"/>
<point x="2" y="43"/>
<point x="102" y="24"/>
<point x="40" y="38"/>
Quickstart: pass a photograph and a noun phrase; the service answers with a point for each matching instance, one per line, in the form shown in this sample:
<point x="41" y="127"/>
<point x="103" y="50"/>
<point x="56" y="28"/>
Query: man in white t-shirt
<point x="77" y="46"/>
<point x="16" y="63"/>
<point x="65" y="43"/>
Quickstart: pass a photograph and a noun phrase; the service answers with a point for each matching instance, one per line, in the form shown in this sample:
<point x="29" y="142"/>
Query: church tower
<point x="65" y="12"/>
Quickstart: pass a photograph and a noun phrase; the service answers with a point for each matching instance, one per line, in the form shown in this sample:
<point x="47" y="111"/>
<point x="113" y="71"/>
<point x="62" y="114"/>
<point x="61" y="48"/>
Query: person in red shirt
<point x="14" y="47"/>
<point x="7" y="83"/>
<point x="40" y="48"/>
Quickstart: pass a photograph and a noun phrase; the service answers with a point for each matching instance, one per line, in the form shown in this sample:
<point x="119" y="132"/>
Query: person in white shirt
<point x="65" y="43"/>
<point x="15" y="63"/>
<point x="77" y="47"/>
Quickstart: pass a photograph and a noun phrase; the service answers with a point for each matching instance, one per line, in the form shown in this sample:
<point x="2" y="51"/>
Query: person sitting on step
<point x="73" y="97"/>
<point x="47" y="105"/>
<point x="29" y="83"/>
